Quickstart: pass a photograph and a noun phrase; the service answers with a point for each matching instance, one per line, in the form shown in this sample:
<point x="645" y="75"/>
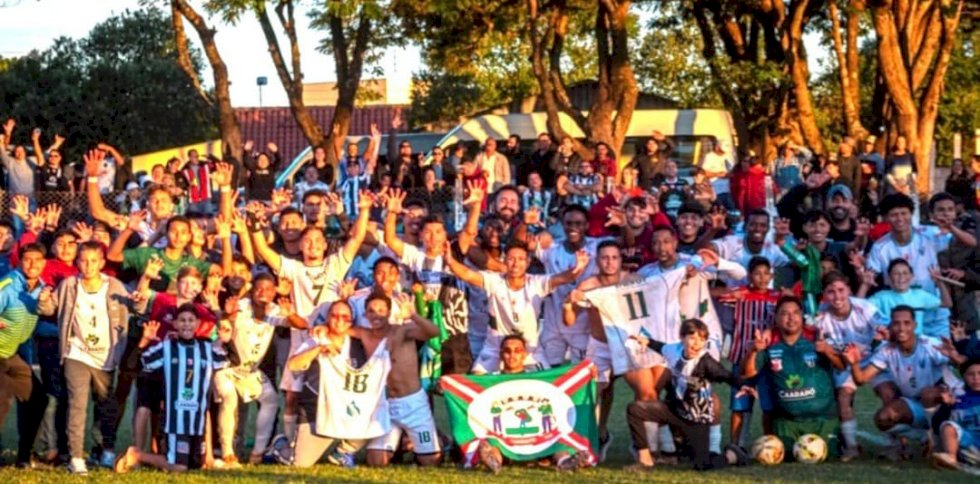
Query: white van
<point x="688" y="128"/>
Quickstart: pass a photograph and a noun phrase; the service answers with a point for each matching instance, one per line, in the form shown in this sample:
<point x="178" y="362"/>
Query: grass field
<point x="865" y="469"/>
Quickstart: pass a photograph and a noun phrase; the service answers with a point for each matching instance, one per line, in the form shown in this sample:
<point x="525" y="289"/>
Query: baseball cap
<point x="132" y="186"/>
<point x="842" y="190"/>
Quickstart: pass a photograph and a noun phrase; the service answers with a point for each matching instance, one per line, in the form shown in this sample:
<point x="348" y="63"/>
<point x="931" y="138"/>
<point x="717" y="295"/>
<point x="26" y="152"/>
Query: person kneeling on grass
<point x="513" y="350"/>
<point x="691" y="406"/>
<point x="186" y="364"/>
<point x="960" y="433"/>
<point x="800" y="375"/>
<point x="919" y="369"/>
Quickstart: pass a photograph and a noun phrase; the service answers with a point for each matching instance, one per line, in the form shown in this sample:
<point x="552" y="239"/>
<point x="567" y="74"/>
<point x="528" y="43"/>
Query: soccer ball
<point x="810" y="449"/>
<point x="768" y="450"/>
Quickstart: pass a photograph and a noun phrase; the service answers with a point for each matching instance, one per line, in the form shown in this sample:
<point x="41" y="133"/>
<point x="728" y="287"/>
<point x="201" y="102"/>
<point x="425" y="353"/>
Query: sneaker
<point x="342" y="459"/>
<point x="281" y="450"/>
<point x="604" y="446"/>
<point x="490" y="457"/>
<point x="107" y="459"/>
<point x="667" y="459"/>
<point x="573" y="462"/>
<point x="942" y="460"/>
<point x="77" y="466"/>
<point x="850" y="453"/>
<point x="736" y="456"/>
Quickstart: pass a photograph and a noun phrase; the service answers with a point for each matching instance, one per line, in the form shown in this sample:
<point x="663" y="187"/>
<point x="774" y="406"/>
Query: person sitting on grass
<point x="691" y="406"/>
<point x="800" y="376"/>
<point x="187" y="364"/>
<point x="919" y="369"/>
<point x="513" y="351"/>
<point x="960" y="433"/>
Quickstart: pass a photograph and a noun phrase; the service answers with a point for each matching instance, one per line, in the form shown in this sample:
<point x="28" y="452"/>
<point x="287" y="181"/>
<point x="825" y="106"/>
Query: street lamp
<point x="261" y="81"/>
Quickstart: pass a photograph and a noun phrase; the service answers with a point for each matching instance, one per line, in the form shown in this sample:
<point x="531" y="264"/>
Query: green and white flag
<point x="526" y="415"/>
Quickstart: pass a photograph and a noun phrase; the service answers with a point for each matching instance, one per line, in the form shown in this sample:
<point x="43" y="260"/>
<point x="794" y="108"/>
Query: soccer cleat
<point x="736" y="455"/>
<point x="604" y="446"/>
<point x="281" y="450"/>
<point x="573" y="462"/>
<point x="77" y="466"/>
<point x="342" y="459"/>
<point x="850" y="453"/>
<point x="490" y="457"/>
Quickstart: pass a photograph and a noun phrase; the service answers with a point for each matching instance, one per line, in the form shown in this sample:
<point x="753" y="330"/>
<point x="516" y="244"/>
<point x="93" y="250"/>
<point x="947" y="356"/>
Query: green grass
<point x="865" y="469"/>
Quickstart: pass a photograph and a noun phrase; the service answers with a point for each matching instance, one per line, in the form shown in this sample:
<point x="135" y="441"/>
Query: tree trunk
<point x="349" y="60"/>
<point x="799" y="73"/>
<point x="292" y="83"/>
<point x="847" y="53"/>
<point x="231" y="134"/>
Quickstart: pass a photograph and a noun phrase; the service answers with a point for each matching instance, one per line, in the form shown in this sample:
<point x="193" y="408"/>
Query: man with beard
<point x="840" y="206"/>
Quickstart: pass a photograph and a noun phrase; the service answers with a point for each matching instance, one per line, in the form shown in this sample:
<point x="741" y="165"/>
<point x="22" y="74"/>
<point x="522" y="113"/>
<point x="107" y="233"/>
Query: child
<point x="754" y="310"/>
<point x="703" y="193"/>
<point x="800" y="375"/>
<point x="902" y="293"/>
<point x="691" y="405"/>
<point x="960" y="433"/>
<point x="536" y="196"/>
<point x="846" y="320"/>
<point x="186" y="364"/>
<point x="917" y="368"/>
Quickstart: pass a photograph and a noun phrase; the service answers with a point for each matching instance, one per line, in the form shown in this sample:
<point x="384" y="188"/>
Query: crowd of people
<point x="207" y="288"/>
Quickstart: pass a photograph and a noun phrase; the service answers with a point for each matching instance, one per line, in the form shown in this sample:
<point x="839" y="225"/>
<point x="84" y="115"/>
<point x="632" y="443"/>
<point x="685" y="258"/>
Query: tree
<point x="915" y="44"/>
<point x="847" y="51"/>
<point x="120" y="84"/>
<point x="231" y="133"/>
<point x="668" y="61"/>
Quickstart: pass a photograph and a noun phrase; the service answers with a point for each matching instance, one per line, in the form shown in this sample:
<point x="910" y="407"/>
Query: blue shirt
<point x="919" y="299"/>
<point x="18" y="311"/>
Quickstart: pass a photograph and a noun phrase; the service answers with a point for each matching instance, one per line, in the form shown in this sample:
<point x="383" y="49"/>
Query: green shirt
<point x="136" y="259"/>
<point x="801" y="379"/>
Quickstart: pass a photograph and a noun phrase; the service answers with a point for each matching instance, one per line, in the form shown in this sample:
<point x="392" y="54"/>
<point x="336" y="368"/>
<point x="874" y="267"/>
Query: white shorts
<point x="249" y="385"/>
<point x="410" y="414"/>
<point x="844" y="378"/>
<point x="598" y="353"/>
<point x="489" y="359"/>
<point x="560" y="348"/>
<point x="291" y="382"/>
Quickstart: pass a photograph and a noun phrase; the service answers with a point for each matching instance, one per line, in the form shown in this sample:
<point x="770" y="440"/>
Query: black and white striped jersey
<point x="187" y="367"/>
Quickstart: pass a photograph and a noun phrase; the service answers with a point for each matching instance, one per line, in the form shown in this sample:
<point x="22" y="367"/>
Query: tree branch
<point x="184" y="54"/>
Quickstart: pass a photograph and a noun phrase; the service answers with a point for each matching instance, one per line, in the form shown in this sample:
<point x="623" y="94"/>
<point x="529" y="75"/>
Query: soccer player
<point x="408" y="403"/>
<point x="186" y="364"/>
<point x="692" y="405"/>
<point x="901" y="292"/>
<point x="799" y="374"/>
<point x="846" y="320"/>
<point x="515" y="301"/>
<point x="960" y="433"/>
<point x="918" y="369"/>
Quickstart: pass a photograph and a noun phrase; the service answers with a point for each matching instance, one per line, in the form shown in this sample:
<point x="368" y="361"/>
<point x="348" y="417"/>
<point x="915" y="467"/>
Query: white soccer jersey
<point x="557" y="259"/>
<point x="516" y="311"/>
<point x="693" y="299"/>
<point x="920" y="253"/>
<point x="313" y="286"/>
<point x="251" y="338"/>
<point x="858" y="327"/>
<point x="636" y="309"/>
<point x="351" y="402"/>
<point x="733" y="248"/>
<point x="915" y="372"/>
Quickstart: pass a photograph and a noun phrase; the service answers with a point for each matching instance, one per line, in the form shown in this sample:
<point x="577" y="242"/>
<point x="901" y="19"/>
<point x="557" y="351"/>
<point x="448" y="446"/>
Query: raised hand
<point x="286" y="305"/>
<point x="9" y="125"/>
<point x="83" y="230"/>
<point x="222" y="226"/>
<point x="222" y="174"/>
<point x="948" y="349"/>
<point x="20" y="207"/>
<point x="53" y="215"/>
<point x="476" y="193"/>
<point x="36" y="135"/>
<point x="375" y="132"/>
<point x="365" y="200"/>
<point x="868" y="278"/>
<point x="281" y="197"/>
<point x="153" y="267"/>
<point x="151" y="330"/>
<point x="36" y="220"/>
<point x="272" y="147"/>
<point x="761" y="340"/>
<point x="249" y="144"/>
<point x="718" y="218"/>
<point x="135" y="220"/>
<point x="406" y="306"/>
<point x="581" y="261"/>
<point x="395" y="199"/>
<point x="881" y="333"/>
<point x="532" y="216"/>
<point x="856" y="259"/>
<point x="93" y="162"/>
<point x="396" y="122"/>
<point x="347" y="289"/>
<point x="615" y="217"/>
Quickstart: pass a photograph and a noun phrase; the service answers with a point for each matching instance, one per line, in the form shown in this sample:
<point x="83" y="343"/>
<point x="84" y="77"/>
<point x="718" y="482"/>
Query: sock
<point x="653" y="435"/>
<point x="714" y="439"/>
<point x="666" y="440"/>
<point x="848" y="429"/>
<point x="289" y="426"/>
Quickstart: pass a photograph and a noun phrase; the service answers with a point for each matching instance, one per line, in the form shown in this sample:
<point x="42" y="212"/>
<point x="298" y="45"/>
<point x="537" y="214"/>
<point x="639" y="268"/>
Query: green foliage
<point x="121" y="84"/>
<point x="958" y="107"/>
<point x="668" y="61"/>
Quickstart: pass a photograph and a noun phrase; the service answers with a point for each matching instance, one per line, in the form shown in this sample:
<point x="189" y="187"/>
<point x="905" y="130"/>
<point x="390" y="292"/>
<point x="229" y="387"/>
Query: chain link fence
<point x="74" y="205"/>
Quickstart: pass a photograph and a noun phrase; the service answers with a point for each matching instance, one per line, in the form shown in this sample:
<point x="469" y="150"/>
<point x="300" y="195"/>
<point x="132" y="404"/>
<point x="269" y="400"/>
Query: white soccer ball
<point x="768" y="450"/>
<point x="810" y="449"/>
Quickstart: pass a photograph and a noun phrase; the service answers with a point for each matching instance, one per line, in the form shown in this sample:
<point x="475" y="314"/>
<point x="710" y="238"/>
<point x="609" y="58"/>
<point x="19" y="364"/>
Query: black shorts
<point x="185" y="450"/>
<point x="149" y="392"/>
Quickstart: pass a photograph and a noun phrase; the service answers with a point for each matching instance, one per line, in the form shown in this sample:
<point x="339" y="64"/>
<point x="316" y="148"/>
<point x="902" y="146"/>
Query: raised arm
<point x="93" y="168"/>
<point x="394" y="206"/>
<point x="465" y="273"/>
<point x="300" y="362"/>
<point x="474" y="202"/>
<point x="365" y="200"/>
<point x="759" y="344"/>
<point x="112" y="151"/>
<point x="36" y="142"/>
<point x="256" y="226"/>
<point x="115" y="252"/>
<point x="374" y="147"/>
<point x="569" y="276"/>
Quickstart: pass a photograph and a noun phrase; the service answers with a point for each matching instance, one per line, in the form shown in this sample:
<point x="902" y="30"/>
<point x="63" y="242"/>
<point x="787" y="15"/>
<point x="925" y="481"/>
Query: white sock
<point x="714" y="439"/>
<point x="666" y="440"/>
<point x="289" y="426"/>
<point x="653" y="435"/>
<point x="848" y="429"/>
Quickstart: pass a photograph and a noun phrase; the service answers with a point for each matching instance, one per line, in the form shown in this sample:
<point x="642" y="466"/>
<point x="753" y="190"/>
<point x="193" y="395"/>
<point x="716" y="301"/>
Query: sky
<point x="27" y="25"/>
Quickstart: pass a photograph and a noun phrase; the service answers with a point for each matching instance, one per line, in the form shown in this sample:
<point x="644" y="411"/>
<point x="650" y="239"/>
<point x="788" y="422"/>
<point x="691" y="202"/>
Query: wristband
<point x="93" y="179"/>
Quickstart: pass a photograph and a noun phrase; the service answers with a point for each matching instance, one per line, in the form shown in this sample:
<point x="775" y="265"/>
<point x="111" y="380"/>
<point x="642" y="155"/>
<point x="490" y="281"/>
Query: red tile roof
<point x="277" y="124"/>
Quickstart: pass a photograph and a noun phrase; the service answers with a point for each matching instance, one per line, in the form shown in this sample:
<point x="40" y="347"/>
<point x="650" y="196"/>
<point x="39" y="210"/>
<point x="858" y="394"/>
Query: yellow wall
<point x="146" y="161"/>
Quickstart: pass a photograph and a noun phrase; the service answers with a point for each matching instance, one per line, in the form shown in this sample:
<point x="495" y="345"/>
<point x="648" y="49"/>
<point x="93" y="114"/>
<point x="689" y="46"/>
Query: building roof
<point x="277" y="124"/>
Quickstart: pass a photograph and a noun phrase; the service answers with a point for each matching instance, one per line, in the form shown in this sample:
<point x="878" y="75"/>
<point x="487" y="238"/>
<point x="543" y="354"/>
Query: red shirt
<point x="478" y="179"/>
<point x="606" y="167"/>
<point x="164" y="311"/>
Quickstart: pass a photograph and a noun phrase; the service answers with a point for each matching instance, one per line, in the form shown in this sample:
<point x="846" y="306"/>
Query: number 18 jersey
<point x="351" y="402"/>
